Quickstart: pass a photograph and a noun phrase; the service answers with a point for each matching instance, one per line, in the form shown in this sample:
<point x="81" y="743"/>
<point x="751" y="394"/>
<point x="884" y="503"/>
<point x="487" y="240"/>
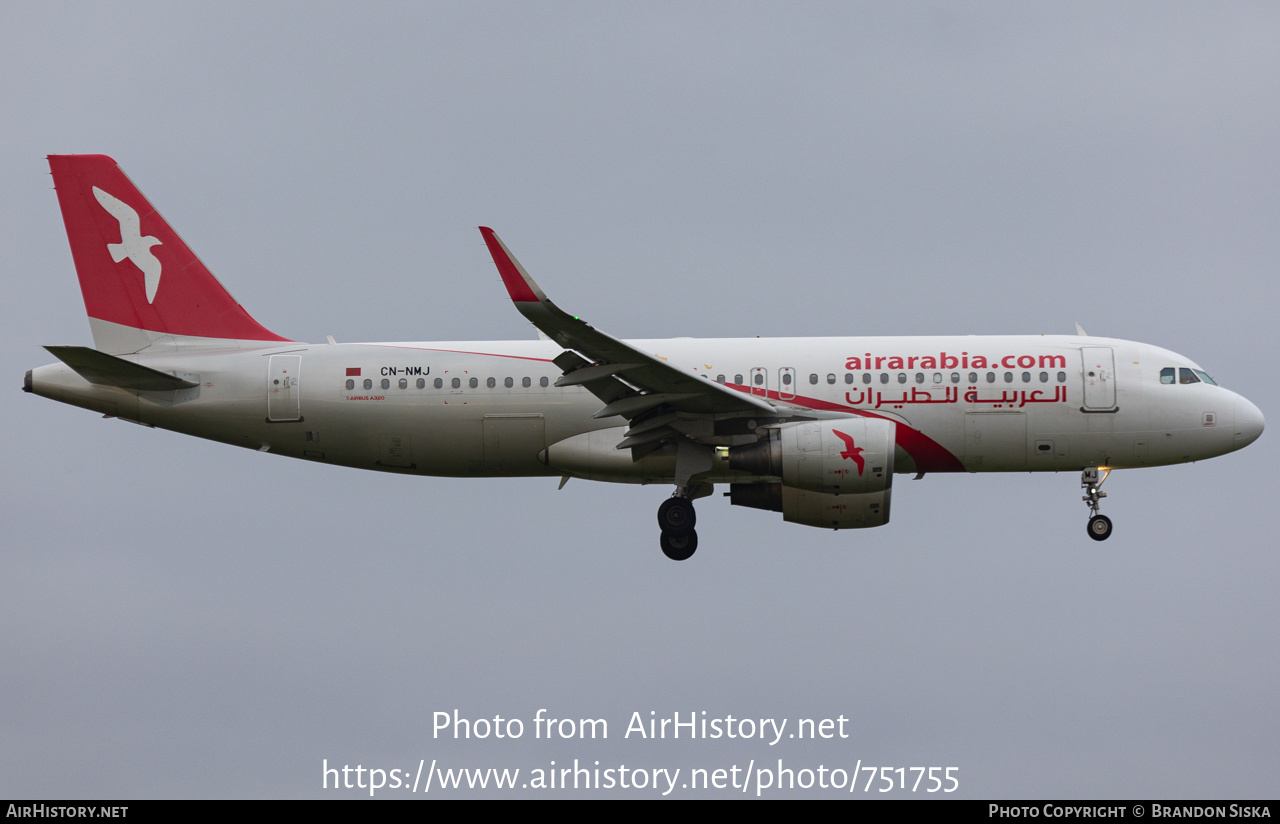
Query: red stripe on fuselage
<point x="928" y="454"/>
<point x="463" y="352"/>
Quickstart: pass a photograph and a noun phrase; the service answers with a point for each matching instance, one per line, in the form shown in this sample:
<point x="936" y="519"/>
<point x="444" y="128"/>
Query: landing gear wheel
<point x="1099" y="527"/>
<point x="679" y="547"/>
<point x="676" y="516"/>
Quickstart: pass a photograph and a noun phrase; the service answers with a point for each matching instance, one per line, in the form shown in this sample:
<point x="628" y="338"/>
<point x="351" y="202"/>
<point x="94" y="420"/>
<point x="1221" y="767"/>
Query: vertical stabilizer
<point x="140" y="282"/>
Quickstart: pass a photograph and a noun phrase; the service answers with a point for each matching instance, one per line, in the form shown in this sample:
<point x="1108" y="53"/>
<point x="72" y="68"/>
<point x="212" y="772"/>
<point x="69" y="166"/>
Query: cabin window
<point x="937" y="377"/>
<point x="543" y="381"/>
<point x="866" y="377"/>
<point x="758" y="379"/>
<point x="490" y="383"/>
<point x="1008" y="377"/>
<point x="404" y="383"/>
<point x="902" y="377"/>
<point x="786" y="378"/>
<point x="525" y="382"/>
<point x="737" y="379"/>
<point x="831" y="378"/>
<point x="1044" y="377"/>
<point x="991" y="377"/>
<point x="848" y="377"/>
<point x="1026" y="377"/>
<point x="884" y="377"/>
<point x="973" y="377"/>
<point x="368" y="384"/>
<point x="473" y="383"/>
<point x="456" y="383"/>
<point x="813" y="378"/>
<point x="351" y="384"/>
<point x="919" y="377"/>
<point x="955" y="377"/>
<point x="507" y="382"/>
<point x="1062" y="377"/>
<point x="438" y="384"/>
<point x="720" y="379"/>
<point x="422" y="383"/>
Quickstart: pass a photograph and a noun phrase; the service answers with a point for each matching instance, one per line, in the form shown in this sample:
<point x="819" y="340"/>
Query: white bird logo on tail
<point x="132" y="244"/>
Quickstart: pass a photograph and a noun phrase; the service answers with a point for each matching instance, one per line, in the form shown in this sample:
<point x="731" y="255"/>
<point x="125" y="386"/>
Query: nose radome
<point x="1249" y="423"/>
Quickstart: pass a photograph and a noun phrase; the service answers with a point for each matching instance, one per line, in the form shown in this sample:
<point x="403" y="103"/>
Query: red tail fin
<point x="135" y="272"/>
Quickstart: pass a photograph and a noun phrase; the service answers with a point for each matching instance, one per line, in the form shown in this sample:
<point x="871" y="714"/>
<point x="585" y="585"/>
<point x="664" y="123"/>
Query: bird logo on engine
<point x="853" y="453"/>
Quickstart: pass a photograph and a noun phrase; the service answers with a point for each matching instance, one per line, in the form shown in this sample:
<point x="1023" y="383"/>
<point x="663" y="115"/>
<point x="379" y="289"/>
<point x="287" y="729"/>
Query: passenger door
<point x="1099" y="372"/>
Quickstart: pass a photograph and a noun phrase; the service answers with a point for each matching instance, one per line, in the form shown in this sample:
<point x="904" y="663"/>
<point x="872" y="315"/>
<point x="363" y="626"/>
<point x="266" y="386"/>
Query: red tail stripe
<point x="188" y="299"/>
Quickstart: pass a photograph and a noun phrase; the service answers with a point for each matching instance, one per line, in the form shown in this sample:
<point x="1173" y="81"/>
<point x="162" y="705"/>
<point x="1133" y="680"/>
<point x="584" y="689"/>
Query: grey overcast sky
<point x="184" y="619"/>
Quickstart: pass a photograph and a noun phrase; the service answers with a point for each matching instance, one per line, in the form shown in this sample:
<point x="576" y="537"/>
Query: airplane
<point x="814" y="428"/>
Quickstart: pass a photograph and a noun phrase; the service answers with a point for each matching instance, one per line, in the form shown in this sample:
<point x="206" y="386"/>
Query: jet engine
<point x="834" y="474"/>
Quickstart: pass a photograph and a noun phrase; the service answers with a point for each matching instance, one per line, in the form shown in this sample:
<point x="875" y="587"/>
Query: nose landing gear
<point x="1099" y="525"/>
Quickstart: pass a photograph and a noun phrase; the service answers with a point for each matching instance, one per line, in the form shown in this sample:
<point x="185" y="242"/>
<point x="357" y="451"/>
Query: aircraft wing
<point x="629" y="381"/>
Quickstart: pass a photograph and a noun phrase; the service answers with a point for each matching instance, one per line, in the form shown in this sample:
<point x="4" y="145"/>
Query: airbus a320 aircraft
<point x="814" y="428"/>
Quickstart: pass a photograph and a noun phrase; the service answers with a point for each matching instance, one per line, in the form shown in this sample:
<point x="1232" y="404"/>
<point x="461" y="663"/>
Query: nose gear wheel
<point x="1091" y="481"/>
<point x="1099" y="527"/>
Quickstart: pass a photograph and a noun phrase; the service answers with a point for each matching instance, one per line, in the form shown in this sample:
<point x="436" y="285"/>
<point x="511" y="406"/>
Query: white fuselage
<point x="976" y="404"/>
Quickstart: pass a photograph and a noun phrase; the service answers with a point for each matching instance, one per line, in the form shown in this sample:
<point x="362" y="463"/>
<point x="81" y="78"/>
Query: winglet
<point x="603" y="355"/>
<point x="520" y="286"/>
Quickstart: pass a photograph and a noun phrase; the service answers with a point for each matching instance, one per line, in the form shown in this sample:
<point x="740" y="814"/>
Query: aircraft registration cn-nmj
<point x="814" y="428"/>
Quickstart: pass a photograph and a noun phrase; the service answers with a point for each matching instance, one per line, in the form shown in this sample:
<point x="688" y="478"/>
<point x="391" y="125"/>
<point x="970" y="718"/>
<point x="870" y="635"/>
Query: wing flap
<point x="586" y="374"/>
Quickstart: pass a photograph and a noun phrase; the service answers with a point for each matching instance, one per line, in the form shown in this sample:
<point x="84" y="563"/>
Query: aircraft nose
<point x="1249" y="423"/>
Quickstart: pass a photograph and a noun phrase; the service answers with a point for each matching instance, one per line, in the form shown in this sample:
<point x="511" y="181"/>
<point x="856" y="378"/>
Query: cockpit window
<point x="1166" y="374"/>
<point x="1204" y="377"/>
<point x="1185" y="375"/>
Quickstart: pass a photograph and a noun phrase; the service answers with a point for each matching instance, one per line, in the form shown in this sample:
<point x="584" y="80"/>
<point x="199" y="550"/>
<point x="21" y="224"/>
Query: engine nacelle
<point x="798" y="506"/>
<point x="845" y="457"/>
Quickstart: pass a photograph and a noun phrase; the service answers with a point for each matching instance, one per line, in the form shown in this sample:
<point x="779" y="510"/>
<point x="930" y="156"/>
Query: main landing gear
<point x="1091" y="482"/>
<point x="676" y="518"/>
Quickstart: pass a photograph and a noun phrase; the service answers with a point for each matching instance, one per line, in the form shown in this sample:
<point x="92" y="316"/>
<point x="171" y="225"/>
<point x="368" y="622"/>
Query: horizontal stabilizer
<point x="108" y="370"/>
